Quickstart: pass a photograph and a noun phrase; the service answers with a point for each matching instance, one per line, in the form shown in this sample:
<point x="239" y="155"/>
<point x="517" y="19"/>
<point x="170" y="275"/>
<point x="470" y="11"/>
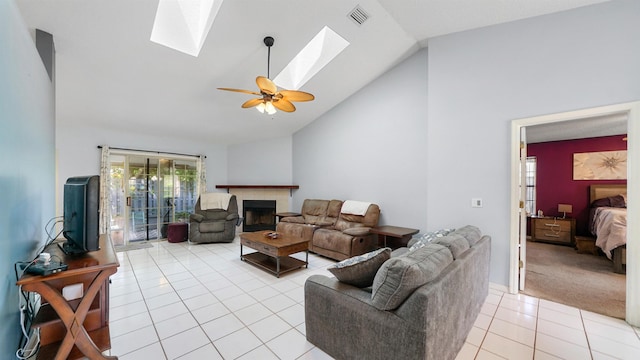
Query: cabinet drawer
<point x="552" y="225"/>
<point x="562" y="236"/>
<point x="553" y="230"/>
<point x="263" y="248"/>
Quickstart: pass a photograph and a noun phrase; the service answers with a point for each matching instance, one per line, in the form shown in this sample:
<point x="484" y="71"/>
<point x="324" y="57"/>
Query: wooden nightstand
<point x="553" y="230"/>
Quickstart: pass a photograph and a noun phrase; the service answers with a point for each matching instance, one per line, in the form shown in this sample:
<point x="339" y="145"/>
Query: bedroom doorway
<point x="518" y="245"/>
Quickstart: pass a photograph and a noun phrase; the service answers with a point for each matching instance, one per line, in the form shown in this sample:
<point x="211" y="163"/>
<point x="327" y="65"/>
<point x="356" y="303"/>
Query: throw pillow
<point x="360" y="270"/>
<point x="400" y="276"/>
<point x="428" y="237"/>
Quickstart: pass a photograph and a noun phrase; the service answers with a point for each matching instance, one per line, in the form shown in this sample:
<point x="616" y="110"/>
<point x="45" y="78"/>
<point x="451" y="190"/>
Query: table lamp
<point x="564" y="209"/>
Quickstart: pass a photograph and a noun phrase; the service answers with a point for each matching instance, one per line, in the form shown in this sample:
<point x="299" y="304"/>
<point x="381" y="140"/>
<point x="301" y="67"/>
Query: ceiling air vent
<point x="358" y="15"/>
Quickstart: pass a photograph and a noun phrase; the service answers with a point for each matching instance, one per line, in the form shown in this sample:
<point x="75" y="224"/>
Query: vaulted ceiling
<point x="110" y="75"/>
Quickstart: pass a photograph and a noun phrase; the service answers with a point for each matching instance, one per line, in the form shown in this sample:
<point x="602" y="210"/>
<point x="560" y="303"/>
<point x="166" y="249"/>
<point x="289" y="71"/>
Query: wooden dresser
<point x="553" y="230"/>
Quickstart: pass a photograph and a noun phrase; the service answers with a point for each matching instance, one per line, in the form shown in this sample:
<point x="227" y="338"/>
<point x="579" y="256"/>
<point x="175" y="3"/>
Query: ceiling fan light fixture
<point x="269" y="92"/>
<point x="269" y="108"/>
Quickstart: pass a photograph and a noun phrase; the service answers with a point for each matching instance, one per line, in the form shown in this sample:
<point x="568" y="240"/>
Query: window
<point x="530" y="182"/>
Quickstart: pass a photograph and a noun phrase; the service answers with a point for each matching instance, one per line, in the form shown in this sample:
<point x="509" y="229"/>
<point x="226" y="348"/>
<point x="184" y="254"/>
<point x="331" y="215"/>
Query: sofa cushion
<point x="428" y="237"/>
<point x="212" y="226"/>
<point x="360" y="270"/>
<point x="471" y="233"/>
<point x="455" y="243"/>
<point x="314" y="210"/>
<point x="400" y="276"/>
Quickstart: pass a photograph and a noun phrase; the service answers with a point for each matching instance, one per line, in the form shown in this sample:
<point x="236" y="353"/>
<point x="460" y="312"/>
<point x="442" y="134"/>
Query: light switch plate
<point x="476" y="202"/>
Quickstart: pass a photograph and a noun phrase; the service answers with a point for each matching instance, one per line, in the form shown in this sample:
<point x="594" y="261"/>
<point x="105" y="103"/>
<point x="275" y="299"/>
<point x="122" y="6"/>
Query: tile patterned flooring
<point x="182" y="301"/>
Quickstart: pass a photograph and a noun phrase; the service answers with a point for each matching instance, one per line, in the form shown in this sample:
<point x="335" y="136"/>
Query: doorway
<point x="518" y="247"/>
<point x="146" y="193"/>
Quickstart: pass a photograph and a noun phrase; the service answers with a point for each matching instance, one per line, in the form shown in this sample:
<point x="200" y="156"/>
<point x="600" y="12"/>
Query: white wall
<point x="371" y="147"/>
<point x="479" y="81"/>
<point x="265" y="162"/>
<point x="78" y="153"/>
<point x="27" y="168"/>
<point x="423" y="164"/>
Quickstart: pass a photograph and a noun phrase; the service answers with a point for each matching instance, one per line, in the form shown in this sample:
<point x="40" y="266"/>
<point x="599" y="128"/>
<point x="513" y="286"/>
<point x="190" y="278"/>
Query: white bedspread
<point x="214" y="201"/>
<point x="610" y="225"/>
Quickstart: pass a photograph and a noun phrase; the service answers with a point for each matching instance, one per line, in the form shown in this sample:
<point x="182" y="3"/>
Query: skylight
<point x="183" y="25"/>
<point x="323" y="48"/>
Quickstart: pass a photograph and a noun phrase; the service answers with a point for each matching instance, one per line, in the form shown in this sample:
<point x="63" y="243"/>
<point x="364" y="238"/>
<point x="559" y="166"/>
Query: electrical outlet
<point x="476" y="202"/>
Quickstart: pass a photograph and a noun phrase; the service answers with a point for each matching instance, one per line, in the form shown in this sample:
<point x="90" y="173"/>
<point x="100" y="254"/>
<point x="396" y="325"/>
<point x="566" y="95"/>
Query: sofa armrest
<point x="357" y="231"/>
<point x="293" y="219"/>
<point x="196" y="217"/>
<point x="232" y="217"/>
<point x="338" y="316"/>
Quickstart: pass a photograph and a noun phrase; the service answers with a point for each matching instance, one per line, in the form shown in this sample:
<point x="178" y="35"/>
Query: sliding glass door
<point x="147" y="193"/>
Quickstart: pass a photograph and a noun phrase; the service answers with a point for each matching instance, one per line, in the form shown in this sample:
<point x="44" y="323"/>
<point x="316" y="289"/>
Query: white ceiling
<point x="109" y="74"/>
<point x="615" y="124"/>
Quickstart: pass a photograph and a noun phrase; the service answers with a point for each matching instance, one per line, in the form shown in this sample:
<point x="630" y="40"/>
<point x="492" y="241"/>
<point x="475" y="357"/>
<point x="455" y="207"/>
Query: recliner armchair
<point x="214" y="225"/>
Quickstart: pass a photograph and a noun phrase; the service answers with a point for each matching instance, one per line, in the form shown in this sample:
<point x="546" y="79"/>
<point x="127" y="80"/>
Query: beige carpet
<point x="558" y="273"/>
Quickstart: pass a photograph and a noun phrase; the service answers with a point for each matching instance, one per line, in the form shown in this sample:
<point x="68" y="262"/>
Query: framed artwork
<point x="603" y="165"/>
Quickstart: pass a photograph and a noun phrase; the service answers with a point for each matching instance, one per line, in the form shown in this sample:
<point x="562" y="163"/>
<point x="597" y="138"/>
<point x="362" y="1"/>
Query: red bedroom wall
<point x="555" y="184"/>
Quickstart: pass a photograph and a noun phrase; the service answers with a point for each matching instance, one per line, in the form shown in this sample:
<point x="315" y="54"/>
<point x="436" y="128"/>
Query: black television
<point x="81" y="214"/>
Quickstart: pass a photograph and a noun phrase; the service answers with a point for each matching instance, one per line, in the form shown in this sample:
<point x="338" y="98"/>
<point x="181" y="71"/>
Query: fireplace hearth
<point x="258" y="215"/>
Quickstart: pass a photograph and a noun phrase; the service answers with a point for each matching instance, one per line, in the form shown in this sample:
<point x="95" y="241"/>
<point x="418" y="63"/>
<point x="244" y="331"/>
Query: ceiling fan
<point x="270" y="98"/>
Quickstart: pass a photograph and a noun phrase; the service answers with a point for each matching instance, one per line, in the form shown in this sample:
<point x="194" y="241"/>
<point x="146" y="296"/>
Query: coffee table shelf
<point x="270" y="263"/>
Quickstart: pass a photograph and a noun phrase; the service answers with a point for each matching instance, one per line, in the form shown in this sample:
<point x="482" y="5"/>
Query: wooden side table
<point x="400" y="235"/>
<point x="553" y="230"/>
<point x="70" y="329"/>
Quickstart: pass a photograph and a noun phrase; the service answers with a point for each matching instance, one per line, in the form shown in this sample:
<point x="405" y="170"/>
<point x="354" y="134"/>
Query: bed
<point x="608" y="222"/>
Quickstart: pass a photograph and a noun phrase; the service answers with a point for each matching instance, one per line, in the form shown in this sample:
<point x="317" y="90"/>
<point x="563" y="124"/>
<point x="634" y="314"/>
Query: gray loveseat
<point x="430" y="322"/>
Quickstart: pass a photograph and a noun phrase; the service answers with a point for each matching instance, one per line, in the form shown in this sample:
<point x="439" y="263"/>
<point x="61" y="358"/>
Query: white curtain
<point x="202" y="175"/>
<point x="105" y="179"/>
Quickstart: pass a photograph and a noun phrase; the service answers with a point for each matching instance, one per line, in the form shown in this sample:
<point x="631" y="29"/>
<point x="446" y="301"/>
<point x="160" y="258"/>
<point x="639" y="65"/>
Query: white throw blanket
<point x="214" y="201"/>
<point x="355" y="207"/>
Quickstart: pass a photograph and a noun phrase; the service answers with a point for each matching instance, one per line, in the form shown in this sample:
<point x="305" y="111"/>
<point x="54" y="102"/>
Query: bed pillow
<point x="400" y="276"/>
<point x="360" y="270"/>
<point x="618" y="201"/>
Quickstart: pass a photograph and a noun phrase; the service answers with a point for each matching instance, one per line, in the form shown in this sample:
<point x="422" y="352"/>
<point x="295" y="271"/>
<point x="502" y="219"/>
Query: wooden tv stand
<point x="77" y="328"/>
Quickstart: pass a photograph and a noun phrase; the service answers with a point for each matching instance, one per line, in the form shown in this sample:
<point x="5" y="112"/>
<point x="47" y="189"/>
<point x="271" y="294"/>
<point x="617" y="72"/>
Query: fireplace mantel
<point x="289" y="187"/>
<point x="280" y="193"/>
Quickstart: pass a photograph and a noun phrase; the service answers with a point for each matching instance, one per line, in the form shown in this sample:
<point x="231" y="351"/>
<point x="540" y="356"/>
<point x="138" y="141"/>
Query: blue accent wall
<point x="27" y="162"/>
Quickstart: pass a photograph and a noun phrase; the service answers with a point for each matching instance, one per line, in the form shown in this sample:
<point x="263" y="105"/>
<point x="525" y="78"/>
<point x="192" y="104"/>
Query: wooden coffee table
<point x="273" y="254"/>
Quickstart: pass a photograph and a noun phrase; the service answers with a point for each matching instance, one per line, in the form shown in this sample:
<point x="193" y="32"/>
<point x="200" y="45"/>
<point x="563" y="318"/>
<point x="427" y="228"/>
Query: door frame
<point x="633" y="192"/>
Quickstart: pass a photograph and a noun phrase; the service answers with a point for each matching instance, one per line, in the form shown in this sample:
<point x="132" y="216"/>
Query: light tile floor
<point x="182" y="301"/>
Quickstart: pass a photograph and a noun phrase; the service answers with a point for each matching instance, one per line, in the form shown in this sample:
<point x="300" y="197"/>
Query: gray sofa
<point x="431" y="322"/>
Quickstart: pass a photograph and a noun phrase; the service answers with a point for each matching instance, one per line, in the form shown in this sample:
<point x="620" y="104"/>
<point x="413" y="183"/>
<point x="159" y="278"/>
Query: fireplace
<point x="258" y="215"/>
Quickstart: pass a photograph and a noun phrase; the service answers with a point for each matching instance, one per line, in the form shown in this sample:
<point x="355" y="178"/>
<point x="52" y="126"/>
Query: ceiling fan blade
<point x="284" y="105"/>
<point x="253" y="102"/>
<point x="266" y="86"/>
<point x="295" y="95"/>
<point x="241" y="91"/>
